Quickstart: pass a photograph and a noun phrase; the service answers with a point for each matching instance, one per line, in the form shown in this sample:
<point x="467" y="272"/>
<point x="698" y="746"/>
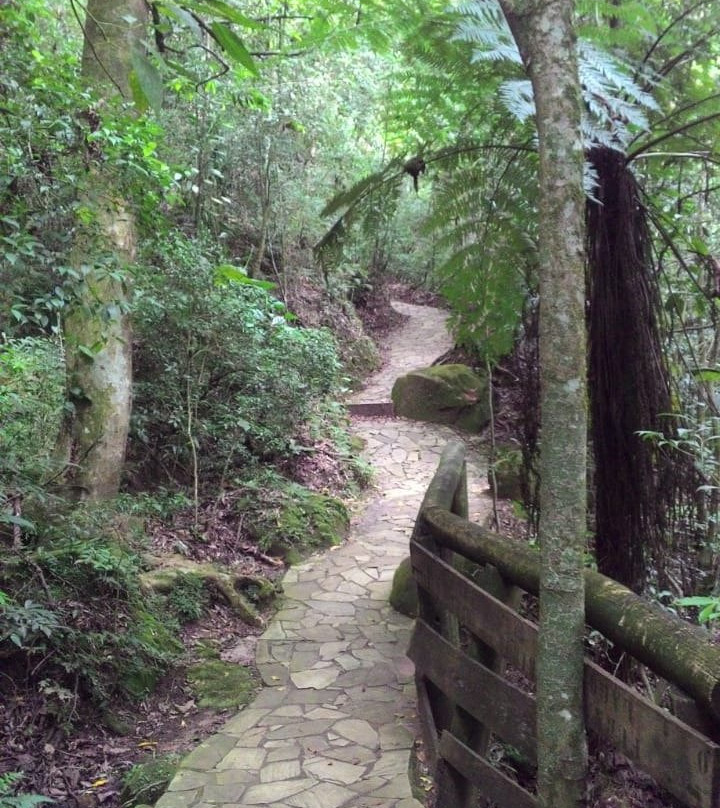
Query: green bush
<point x="238" y="379"/>
<point x="32" y="401"/>
<point x="89" y="631"/>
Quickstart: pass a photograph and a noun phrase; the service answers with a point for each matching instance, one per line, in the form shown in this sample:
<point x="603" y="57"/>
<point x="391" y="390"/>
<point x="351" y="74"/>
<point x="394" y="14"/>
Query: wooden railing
<point x="475" y="657"/>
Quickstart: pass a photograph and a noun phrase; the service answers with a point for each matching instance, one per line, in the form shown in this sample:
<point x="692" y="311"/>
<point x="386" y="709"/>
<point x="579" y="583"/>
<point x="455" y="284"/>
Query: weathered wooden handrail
<point x="674" y="649"/>
<point x="467" y="632"/>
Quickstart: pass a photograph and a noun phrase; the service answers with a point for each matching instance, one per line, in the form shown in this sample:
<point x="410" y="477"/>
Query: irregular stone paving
<point x="420" y="340"/>
<point x="334" y="726"/>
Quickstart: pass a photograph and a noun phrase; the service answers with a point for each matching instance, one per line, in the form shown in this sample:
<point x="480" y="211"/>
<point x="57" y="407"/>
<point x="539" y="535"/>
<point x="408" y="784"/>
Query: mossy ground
<point x="144" y="783"/>
<point x="222" y="685"/>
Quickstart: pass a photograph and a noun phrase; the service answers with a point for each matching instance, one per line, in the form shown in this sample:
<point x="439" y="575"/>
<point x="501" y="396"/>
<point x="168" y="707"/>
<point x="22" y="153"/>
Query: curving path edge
<point x="335" y="724"/>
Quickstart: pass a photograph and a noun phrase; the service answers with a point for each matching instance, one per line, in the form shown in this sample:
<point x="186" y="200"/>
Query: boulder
<point x="443" y="394"/>
<point x="403" y="595"/>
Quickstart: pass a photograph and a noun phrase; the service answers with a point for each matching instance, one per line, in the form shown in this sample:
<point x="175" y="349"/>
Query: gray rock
<point x="443" y="394"/>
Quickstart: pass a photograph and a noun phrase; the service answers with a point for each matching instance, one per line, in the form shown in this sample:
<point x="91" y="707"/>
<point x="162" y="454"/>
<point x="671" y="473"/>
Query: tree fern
<point x="483" y="23"/>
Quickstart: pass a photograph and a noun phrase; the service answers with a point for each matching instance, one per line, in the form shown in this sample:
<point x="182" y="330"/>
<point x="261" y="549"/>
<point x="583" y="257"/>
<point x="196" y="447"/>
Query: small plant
<point x="188" y="598"/>
<point x="708" y="605"/>
<point x="8" y="799"/>
<point x="144" y="783"/>
<point x="24" y="625"/>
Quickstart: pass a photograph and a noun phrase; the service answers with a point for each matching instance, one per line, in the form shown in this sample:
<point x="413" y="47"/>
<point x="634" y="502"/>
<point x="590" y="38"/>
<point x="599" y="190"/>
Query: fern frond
<point x="518" y="98"/>
<point x="346" y="199"/>
<point x="483" y="23"/>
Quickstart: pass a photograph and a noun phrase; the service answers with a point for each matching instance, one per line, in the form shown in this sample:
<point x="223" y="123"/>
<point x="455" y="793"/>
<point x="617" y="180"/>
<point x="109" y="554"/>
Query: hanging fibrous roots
<point x="629" y="379"/>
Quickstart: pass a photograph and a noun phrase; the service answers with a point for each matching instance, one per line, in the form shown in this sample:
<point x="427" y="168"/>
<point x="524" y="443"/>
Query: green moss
<point x="155" y="646"/>
<point x="117" y="724"/>
<point x="292" y="557"/>
<point x="313" y="520"/>
<point x="222" y="685"/>
<point x="257" y="589"/>
<point x="403" y="595"/>
<point x="144" y="783"/>
<point x="443" y="394"/>
<point x="288" y="519"/>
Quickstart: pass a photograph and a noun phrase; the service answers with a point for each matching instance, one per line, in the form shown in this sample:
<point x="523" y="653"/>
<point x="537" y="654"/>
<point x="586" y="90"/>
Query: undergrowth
<point x="290" y="520"/>
<point x="74" y="622"/>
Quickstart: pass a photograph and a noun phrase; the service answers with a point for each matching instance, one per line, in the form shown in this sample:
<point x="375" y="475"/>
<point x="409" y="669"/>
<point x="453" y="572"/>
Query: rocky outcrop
<point x="443" y="394"/>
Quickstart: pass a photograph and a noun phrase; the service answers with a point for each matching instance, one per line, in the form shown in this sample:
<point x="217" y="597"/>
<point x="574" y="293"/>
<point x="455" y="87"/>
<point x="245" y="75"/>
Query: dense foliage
<point x="279" y="161"/>
<point x="238" y="377"/>
<point x="224" y="177"/>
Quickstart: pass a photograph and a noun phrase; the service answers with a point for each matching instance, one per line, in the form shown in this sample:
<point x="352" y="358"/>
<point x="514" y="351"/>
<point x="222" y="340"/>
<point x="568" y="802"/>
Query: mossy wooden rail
<point x="468" y="637"/>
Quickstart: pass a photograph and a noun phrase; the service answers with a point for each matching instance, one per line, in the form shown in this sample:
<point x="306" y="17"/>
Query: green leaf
<point x="227" y="12"/>
<point x="707" y="612"/>
<point x="11" y="519"/>
<point x="700" y="247"/>
<point x="184" y="17"/>
<point x="85" y="351"/>
<point x="707" y="374"/>
<point x="231" y="44"/>
<point x="145" y="82"/>
<point x="697" y="600"/>
<point x="228" y="273"/>
<point x="366" y="185"/>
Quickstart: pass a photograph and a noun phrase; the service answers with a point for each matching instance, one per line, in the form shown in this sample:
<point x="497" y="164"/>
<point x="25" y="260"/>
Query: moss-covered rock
<point x="403" y="595"/>
<point x="144" y="783"/>
<point x="444" y="394"/>
<point x="292" y="520"/>
<point x="222" y="685"/>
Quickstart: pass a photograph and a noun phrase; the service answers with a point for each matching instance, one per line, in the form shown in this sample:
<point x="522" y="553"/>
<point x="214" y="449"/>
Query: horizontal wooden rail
<point x="467" y="635"/>
<point x="675" y="650"/>
<point x="633" y="724"/>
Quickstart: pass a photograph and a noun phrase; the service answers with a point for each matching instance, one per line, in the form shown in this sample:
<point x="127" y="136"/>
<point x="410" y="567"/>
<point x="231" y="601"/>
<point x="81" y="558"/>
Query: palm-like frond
<point x="482" y="23"/>
<point x="616" y="104"/>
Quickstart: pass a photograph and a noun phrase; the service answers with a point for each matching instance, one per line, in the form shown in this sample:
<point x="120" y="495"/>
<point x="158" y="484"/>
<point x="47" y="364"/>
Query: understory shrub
<point x="73" y="615"/>
<point x="223" y="376"/>
<point x="32" y="401"/>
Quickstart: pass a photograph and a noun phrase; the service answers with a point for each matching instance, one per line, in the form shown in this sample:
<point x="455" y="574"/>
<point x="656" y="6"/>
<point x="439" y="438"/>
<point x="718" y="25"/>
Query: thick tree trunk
<point x="97" y="330"/>
<point x="546" y="38"/>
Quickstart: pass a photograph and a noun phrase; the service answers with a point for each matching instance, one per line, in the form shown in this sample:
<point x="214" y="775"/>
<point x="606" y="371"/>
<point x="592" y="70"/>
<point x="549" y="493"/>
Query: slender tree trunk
<point x="97" y="330"/>
<point x="545" y="35"/>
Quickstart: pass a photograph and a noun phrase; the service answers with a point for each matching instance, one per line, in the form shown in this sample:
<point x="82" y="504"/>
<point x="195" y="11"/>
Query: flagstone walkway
<point x="335" y="723"/>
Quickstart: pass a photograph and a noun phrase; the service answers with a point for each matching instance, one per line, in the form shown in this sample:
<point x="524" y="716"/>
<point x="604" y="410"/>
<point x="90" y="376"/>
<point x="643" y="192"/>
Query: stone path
<point x="334" y="726"/>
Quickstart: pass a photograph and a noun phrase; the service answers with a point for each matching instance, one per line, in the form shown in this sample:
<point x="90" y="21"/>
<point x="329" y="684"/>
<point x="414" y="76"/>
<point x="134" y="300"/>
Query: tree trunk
<point x="546" y="38"/>
<point x="97" y="329"/>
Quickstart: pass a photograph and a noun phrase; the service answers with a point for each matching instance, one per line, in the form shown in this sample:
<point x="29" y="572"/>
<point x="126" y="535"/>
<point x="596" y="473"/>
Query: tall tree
<point x="97" y="329"/>
<point x="545" y="35"/>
